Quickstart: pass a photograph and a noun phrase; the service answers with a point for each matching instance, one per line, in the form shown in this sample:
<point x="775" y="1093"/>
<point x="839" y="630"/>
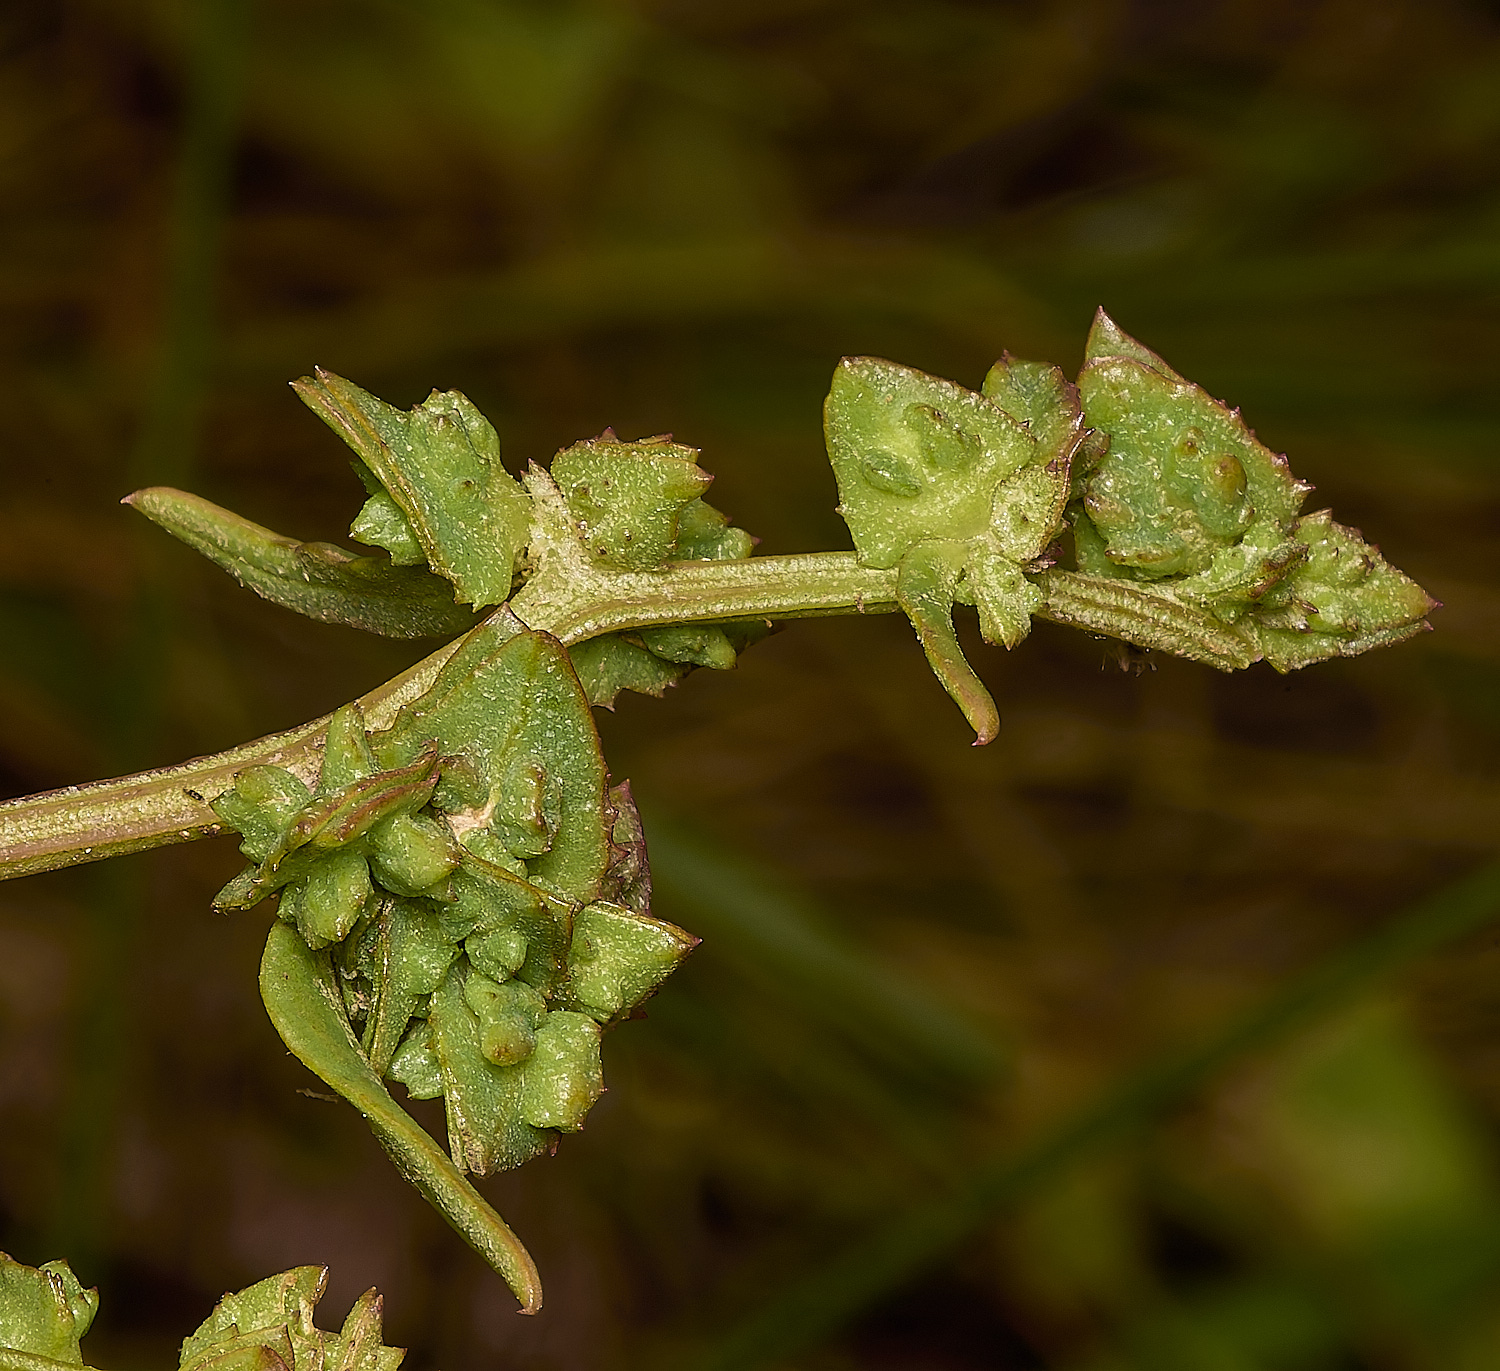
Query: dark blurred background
<point x="920" y="959"/>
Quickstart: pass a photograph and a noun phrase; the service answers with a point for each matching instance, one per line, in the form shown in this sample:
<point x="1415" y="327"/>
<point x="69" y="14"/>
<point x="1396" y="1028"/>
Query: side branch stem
<point x="87" y="823"/>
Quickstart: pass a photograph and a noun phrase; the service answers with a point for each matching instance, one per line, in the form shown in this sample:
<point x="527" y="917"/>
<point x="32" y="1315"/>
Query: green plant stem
<point x="574" y="600"/>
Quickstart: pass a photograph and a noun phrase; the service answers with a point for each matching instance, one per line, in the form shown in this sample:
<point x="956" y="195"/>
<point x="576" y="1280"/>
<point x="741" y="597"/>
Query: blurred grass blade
<point x="810" y="1309"/>
<point x="755" y="920"/>
<point x="316" y="579"/>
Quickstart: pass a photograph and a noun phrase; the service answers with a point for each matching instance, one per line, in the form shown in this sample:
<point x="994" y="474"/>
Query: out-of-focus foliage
<point x="270" y="1327"/>
<point x="44" y="1312"/>
<point x="661" y="217"/>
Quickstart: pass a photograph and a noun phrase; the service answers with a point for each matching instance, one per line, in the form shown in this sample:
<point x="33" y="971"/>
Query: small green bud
<point x="380" y="523"/>
<point x="411" y="854"/>
<point x="562" y="1078"/>
<point x="1005" y="598"/>
<point x="527" y="807"/>
<point x="498" y="955"/>
<point x="327" y="902"/>
<point x="260" y="804"/>
<point x="693" y="644"/>
<point x="486" y="1130"/>
<point x="44" y="1310"/>
<point x="346" y="751"/>
<point x="509" y="1013"/>
<point x="626" y="497"/>
<point x="705" y="535"/>
<point x="415" y="1064"/>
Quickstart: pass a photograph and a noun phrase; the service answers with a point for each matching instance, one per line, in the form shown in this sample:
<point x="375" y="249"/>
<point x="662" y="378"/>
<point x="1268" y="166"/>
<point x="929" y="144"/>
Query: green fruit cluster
<point x="480" y="892"/>
<point x="970" y="495"/>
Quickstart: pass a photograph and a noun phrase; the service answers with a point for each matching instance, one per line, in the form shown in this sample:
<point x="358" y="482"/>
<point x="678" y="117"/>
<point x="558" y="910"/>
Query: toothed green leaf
<point x="316" y="579"/>
<point x="612" y="663"/>
<point x="965" y="493"/>
<point x="618" y="958"/>
<point x="510" y="702"/>
<point x="1185" y="489"/>
<point x="917" y="458"/>
<point x="273" y="1315"/>
<point x="1344" y="599"/>
<point x="626" y="498"/>
<point x="439" y="463"/>
<point x="486" y="1132"/>
<point x="1186" y="499"/>
<point x="44" y="1310"/>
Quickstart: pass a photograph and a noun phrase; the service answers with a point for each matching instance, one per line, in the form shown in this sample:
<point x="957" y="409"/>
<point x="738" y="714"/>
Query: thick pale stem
<point x="1148" y="616"/>
<point x="574" y="600"/>
<point x="796" y="587"/>
<point x="86" y="823"/>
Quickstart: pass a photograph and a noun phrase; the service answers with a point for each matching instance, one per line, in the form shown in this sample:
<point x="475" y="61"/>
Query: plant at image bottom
<point x="45" y="1312"/>
<point x="462" y="898"/>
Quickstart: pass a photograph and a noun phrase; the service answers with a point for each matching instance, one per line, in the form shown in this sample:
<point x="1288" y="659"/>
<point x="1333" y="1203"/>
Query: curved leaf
<point x="304" y="1003"/>
<point x="439" y="463"/>
<point x="316" y="579"/>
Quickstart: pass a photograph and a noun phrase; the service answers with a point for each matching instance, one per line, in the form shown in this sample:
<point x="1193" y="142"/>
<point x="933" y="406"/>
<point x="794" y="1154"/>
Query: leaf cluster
<point x="472" y="892"/>
<point x="1162" y="487"/>
<point x="477" y="887"/>
<point x="45" y="1311"/>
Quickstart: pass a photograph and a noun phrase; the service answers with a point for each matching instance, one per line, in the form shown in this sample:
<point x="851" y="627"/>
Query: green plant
<point x="45" y="1312"/>
<point x="463" y="899"/>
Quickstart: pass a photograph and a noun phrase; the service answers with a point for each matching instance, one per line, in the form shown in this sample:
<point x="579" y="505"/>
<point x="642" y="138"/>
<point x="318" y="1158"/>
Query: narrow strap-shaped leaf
<point x="316" y="579"/>
<point x="925" y="588"/>
<point x="307" y="1010"/>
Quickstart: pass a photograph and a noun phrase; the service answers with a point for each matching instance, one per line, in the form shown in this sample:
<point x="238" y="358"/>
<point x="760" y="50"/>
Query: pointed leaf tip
<point x="441" y="483"/>
<point x="316" y="579"/>
<point x="926" y="586"/>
